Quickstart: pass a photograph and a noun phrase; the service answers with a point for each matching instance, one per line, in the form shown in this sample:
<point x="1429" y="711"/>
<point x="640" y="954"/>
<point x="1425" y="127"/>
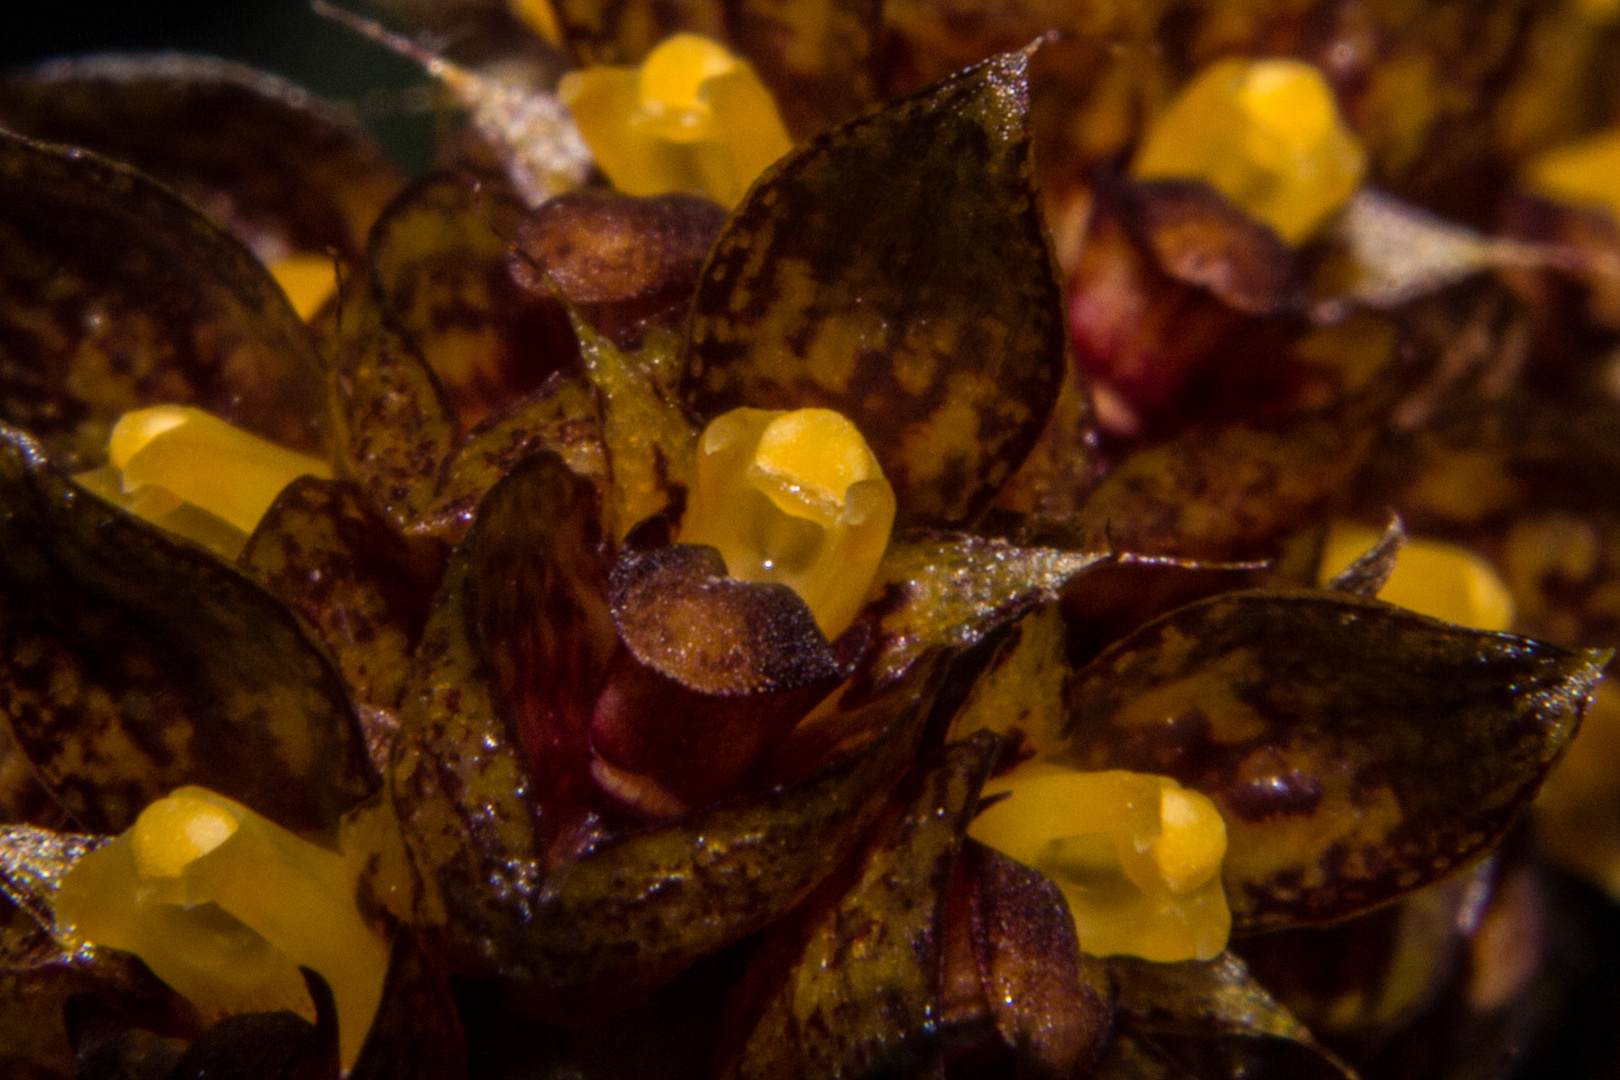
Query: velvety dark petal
<point x="398" y="428"/>
<point x="1357" y="751"/>
<point x="952" y="590"/>
<point x="278" y="166"/>
<point x="1202" y="239"/>
<point x="650" y="441"/>
<point x="861" y="997"/>
<point x="624" y="263"/>
<point x="1053" y="1006"/>
<point x="115" y="293"/>
<point x="818" y="58"/>
<point x="416" y="1034"/>
<point x="439" y="268"/>
<point x="562" y="416"/>
<point x="327" y="554"/>
<point x="897" y="270"/>
<point x="134" y="664"/>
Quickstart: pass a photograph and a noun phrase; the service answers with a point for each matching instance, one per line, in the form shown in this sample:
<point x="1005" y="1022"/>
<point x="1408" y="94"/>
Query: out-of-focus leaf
<point x="416" y="1034"/>
<point x="279" y="167"/>
<point x="862" y="995"/>
<point x="360" y="586"/>
<point x="897" y="270"/>
<point x="1396" y="252"/>
<point x="439" y="268"/>
<point x="650" y="442"/>
<point x="1227" y="493"/>
<point x="23" y="799"/>
<point x="561" y="417"/>
<point x="115" y="293"/>
<point x="1202" y="239"/>
<point x="1370" y="572"/>
<point x="950" y="591"/>
<point x="624" y="263"/>
<point x="1059" y="472"/>
<point x="1141" y="1055"/>
<point x="1357" y="751"/>
<point x="134" y="664"/>
<point x="617" y="32"/>
<point x="1053" y="1006"/>
<point x="397" y="425"/>
<point x="817" y="57"/>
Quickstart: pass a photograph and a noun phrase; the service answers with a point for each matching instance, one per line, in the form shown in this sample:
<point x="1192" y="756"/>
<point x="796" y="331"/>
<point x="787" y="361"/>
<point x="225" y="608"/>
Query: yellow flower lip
<point x="1137" y="856"/>
<point x="796" y="498"/>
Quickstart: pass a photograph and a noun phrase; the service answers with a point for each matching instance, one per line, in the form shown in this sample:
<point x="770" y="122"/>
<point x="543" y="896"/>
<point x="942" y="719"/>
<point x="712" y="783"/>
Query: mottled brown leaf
<point x="562" y="416"/>
<point x="862" y="996"/>
<point x="438" y="260"/>
<point x="897" y="270"/>
<point x="115" y="293"/>
<point x="326" y="553"/>
<point x="280" y="168"/>
<point x="949" y="591"/>
<point x="135" y="664"/>
<point x="1357" y="751"/>
<point x="818" y="58"/>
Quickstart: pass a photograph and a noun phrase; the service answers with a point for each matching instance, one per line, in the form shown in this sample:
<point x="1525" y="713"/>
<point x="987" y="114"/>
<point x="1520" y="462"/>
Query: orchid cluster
<point x="822" y="543"/>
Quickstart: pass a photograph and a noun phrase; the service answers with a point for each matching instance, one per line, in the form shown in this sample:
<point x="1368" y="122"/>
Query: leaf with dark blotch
<point x="326" y="553"/>
<point x="32" y="865"/>
<point x="1370" y="572"/>
<point x="897" y="270"/>
<point x="862" y="996"/>
<point x="135" y="663"/>
<point x="1019" y="693"/>
<point x="439" y="269"/>
<point x="539" y="597"/>
<point x="115" y="293"/>
<point x="1053" y="1006"/>
<point x="622" y="262"/>
<point x="416" y="1034"/>
<point x="1227" y="493"/>
<point x="561" y="416"/>
<point x="1202" y="239"/>
<point x="1356" y="751"/>
<point x="952" y="590"/>
<point x="398" y="428"/>
<point x="620" y="32"/>
<point x="817" y="58"/>
<point x="286" y="170"/>
<point x="651" y="444"/>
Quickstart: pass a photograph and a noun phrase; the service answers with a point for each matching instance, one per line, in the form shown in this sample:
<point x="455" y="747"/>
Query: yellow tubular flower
<point x="1584" y="173"/>
<point x="1266" y="134"/>
<point x="191" y="473"/>
<point x="693" y="118"/>
<point x="224" y="905"/>
<point x="1137" y="856"/>
<point x="1433" y="578"/>
<point x="795" y="498"/>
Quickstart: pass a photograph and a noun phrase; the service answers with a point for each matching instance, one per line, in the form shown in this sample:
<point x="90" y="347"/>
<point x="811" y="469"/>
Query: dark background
<point x="283" y="36"/>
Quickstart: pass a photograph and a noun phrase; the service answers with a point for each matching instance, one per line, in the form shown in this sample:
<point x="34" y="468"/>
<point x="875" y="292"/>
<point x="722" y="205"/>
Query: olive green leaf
<point x="949" y="591"/>
<point x="1370" y="572"/>
<point x="1019" y="694"/>
<point x="651" y="445"/>
<point x="115" y="293"/>
<point x="1356" y="750"/>
<point x="1051" y="1004"/>
<point x="562" y="416"/>
<point x="862" y="996"/>
<point x="1226" y="493"/>
<point x="818" y="58"/>
<point x="897" y="270"/>
<point x="326" y="553"/>
<point x="134" y="664"/>
<point x="626" y="264"/>
<point x="282" y="168"/>
<point x="438" y="260"/>
<point x="396" y="422"/>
